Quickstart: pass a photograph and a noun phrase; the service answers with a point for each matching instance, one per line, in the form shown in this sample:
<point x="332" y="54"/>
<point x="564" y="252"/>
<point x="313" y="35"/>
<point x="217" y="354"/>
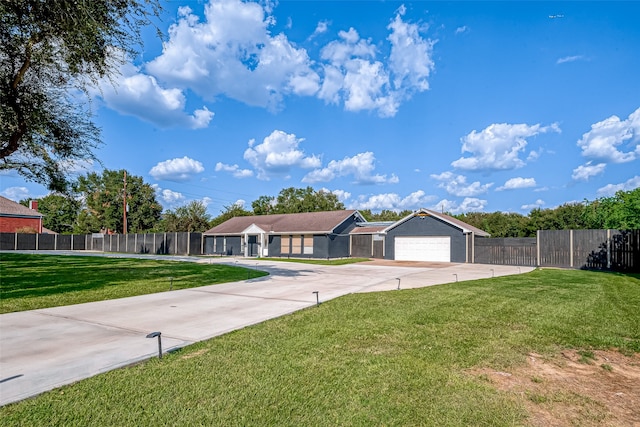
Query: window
<point x="296" y="244"/>
<point x="308" y="244"/>
<point x="284" y="244"/>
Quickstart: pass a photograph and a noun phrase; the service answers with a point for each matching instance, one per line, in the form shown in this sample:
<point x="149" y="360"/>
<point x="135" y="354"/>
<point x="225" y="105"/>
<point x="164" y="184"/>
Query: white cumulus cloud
<point x="468" y="204"/>
<point x="353" y="74"/>
<point x="457" y="185"/>
<point x="232" y="52"/>
<point x="611" y="189"/>
<point x="16" y="193"/>
<point x="342" y="195"/>
<point x="140" y="95"/>
<point x="606" y="138"/>
<point x="168" y="198"/>
<point x="278" y="154"/>
<point x="392" y="201"/>
<point x="498" y="146"/>
<point x="360" y="166"/>
<point x="234" y="170"/>
<point x="411" y="59"/>
<point x="179" y="169"/>
<point x="516" y="183"/>
<point x="537" y="204"/>
<point x="586" y="171"/>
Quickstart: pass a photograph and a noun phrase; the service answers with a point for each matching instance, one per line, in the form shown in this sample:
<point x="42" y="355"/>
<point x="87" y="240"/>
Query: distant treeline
<point x="621" y="211"/>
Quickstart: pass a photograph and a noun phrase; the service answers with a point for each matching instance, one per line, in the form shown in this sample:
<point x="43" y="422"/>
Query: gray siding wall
<point x="273" y="245"/>
<point x="319" y="247"/>
<point x="339" y="241"/>
<point x="428" y="226"/>
<point x="234" y="245"/>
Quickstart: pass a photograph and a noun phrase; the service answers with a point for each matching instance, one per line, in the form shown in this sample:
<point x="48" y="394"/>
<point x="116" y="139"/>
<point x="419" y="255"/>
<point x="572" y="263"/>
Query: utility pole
<point x="124" y="210"/>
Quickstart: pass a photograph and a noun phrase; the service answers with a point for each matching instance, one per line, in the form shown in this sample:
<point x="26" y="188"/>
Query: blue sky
<point x="455" y="106"/>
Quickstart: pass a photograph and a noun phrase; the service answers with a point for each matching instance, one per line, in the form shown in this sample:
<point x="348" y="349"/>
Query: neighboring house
<point x="424" y="235"/>
<point x="14" y="216"/>
<point x="300" y="235"/>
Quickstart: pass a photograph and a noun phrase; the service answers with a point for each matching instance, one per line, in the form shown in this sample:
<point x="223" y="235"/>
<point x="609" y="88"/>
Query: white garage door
<point x="423" y="249"/>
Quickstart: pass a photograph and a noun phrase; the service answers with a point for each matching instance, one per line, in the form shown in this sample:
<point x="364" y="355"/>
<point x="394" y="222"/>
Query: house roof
<point x="466" y="228"/>
<point x="299" y="223"/>
<point x="11" y="208"/>
<point x="369" y="229"/>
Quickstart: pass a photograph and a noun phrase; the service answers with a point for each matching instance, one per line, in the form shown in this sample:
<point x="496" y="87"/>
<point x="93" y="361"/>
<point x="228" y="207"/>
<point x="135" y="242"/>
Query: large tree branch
<point x="14" y="140"/>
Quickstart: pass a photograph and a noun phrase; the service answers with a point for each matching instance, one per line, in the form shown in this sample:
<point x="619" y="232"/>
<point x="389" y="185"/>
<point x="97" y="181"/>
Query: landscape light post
<point x="317" y="298"/>
<point x="159" y="335"/>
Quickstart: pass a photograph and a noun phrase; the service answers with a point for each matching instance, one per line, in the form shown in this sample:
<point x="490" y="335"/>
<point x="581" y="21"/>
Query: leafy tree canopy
<point x="103" y="208"/>
<point x="384" y="215"/>
<point x="621" y="211"/>
<point x="60" y="212"/>
<point x="49" y="50"/>
<point x="191" y="217"/>
<point x="296" y="200"/>
<point x="230" y="212"/>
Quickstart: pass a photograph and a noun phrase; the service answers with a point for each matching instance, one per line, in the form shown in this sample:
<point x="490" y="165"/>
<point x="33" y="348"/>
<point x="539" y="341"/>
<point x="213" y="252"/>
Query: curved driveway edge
<point x="47" y="348"/>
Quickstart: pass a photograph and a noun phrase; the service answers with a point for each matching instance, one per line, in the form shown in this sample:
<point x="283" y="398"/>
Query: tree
<point x="60" y="212"/>
<point x="384" y="215"/>
<point x="50" y="50"/>
<point x="103" y="208"/>
<point x="190" y="217"/>
<point x="264" y="205"/>
<point x="228" y="213"/>
<point x="621" y="211"/>
<point x="296" y="200"/>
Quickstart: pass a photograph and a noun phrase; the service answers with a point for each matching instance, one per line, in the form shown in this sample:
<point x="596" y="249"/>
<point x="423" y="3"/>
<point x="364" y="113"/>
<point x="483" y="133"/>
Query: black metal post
<point x="317" y="298"/>
<point x="159" y="335"/>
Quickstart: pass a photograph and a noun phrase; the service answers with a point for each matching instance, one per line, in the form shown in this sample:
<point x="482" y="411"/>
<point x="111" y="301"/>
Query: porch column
<point x="246" y="245"/>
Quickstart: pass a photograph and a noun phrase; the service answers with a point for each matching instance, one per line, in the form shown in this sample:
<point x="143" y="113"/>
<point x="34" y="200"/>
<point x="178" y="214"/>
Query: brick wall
<point x="11" y="224"/>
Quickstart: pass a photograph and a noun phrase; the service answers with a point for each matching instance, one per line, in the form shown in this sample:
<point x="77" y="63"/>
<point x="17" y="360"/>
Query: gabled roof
<point x="298" y="223"/>
<point x="11" y="208"/>
<point x="466" y="228"/>
<point x="369" y="229"/>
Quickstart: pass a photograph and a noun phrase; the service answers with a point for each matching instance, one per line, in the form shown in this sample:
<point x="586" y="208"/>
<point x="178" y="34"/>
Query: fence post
<point x="571" y="248"/>
<point x="608" y="249"/>
<point x="473" y="248"/>
<point x="538" y="263"/>
<point x="188" y="243"/>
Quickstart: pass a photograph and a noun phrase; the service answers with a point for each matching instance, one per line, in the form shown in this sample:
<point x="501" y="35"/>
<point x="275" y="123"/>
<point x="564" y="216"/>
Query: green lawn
<point x="390" y="358"/>
<point x="339" y="261"/>
<point x="28" y="282"/>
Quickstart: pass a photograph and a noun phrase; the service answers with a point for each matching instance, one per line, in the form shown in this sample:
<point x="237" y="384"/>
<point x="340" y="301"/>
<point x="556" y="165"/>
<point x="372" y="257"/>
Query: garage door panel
<point x="422" y="248"/>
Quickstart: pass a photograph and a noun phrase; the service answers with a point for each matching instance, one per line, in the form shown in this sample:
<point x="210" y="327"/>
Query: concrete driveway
<point x="44" y="349"/>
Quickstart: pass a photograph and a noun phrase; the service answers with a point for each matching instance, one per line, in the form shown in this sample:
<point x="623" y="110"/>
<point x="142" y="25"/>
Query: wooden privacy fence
<point x="154" y="243"/>
<point x="506" y="251"/>
<point x="617" y="250"/>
